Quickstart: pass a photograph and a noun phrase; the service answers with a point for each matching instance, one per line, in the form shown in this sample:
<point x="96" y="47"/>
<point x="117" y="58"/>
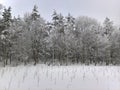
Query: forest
<point x="65" y="40"/>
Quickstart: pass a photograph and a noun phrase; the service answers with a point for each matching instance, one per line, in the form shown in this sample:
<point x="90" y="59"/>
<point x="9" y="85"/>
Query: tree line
<point x="65" y="40"/>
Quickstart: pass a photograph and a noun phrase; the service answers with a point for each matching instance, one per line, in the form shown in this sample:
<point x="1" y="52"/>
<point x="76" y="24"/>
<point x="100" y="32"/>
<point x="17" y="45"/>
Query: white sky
<point x="98" y="9"/>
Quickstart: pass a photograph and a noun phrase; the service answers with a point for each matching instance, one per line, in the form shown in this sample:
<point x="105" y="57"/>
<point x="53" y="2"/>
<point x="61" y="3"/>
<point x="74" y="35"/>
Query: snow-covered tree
<point x="7" y="18"/>
<point x="55" y="18"/>
<point x="35" y="14"/>
<point x="86" y="32"/>
<point x="6" y="34"/>
<point x="108" y="27"/>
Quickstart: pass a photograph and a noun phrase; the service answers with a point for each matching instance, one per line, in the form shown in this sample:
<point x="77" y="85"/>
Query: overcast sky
<point x="98" y="9"/>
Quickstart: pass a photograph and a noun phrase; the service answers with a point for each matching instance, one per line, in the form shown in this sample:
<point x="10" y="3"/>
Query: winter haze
<point x="98" y="9"/>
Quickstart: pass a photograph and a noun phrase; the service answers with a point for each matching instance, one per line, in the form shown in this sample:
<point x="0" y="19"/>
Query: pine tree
<point x="70" y="20"/>
<point x="69" y="23"/>
<point x="108" y="26"/>
<point x="7" y="18"/>
<point x="55" y="18"/>
<point x="6" y="32"/>
<point x="35" y="14"/>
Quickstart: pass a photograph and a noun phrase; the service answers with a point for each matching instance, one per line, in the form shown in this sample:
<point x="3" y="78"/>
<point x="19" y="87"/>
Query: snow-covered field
<point x="43" y="77"/>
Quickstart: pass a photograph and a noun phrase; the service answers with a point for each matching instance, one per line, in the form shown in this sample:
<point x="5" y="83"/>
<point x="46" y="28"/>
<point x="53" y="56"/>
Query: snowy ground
<point x="43" y="77"/>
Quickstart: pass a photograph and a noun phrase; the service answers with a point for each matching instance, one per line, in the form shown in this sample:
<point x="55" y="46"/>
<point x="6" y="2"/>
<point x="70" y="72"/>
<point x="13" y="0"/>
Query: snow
<point x="43" y="77"/>
<point x="2" y="37"/>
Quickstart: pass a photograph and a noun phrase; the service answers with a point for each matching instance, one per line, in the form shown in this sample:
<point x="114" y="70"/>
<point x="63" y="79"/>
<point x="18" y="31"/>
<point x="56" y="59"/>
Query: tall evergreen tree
<point x="55" y="18"/>
<point x="108" y="26"/>
<point x="7" y="18"/>
<point x="70" y="20"/>
<point x="6" y="32"/>
<point x="35" y="14"/>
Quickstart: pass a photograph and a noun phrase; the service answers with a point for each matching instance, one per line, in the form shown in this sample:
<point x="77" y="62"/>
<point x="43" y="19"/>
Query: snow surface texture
<point x="42" y="77"/>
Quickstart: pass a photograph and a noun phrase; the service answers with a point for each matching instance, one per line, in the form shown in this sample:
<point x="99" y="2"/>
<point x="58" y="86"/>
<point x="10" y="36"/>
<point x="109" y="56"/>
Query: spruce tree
<point x="55" y="18"/>
<point x="35" y="14"/>
<point x="70" y="20"/>
<point x="108" y="26"/>
<point x="7" y="18"/>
